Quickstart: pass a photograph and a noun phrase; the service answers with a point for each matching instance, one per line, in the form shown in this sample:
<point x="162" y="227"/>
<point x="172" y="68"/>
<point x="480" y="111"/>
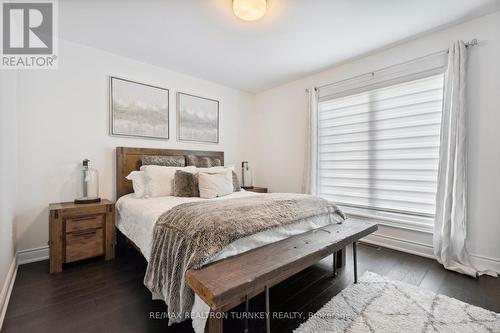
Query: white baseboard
<point x="403" y="245"/>
<point x="7" y="289"/>
<point x="483" y="263"/>
<point x="426" y="250"/>
<point x="32" y="255"/>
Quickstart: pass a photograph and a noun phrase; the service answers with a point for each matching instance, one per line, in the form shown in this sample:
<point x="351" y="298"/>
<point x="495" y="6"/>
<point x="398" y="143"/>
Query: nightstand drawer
<point x="84" y="244"/>
<point x="77" y="224"/>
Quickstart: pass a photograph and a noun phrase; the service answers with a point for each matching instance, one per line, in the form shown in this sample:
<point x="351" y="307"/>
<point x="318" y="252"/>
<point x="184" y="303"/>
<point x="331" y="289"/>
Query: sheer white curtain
<point x="309" y="182"/>
<point x="450" y="230"/>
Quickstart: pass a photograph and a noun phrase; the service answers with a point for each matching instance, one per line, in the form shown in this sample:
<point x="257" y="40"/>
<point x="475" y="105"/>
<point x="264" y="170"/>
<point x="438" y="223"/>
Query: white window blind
<point x="378" y="148"/>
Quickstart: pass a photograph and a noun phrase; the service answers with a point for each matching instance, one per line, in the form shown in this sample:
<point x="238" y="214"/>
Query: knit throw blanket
<point x="191" y="234"/>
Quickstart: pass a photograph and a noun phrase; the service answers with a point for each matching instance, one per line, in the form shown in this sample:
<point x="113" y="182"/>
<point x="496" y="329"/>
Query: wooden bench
<point x="232" y="281"/>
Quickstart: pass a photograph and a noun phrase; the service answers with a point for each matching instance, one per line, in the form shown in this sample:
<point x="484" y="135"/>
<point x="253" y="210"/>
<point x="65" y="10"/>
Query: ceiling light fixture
<point x="249" y="10"/>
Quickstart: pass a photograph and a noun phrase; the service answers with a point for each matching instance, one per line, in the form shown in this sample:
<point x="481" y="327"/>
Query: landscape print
<point x="198" y="119"/>
<point x="138" y="109"/>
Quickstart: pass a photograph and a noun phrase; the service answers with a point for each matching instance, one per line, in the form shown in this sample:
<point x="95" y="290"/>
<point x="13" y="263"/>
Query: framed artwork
<point x="138" y="109"/>
<point x="197" y="119"/>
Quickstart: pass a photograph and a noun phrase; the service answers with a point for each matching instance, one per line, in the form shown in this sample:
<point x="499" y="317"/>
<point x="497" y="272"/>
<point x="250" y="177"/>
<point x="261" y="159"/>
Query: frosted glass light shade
<point x="249" y="10"/>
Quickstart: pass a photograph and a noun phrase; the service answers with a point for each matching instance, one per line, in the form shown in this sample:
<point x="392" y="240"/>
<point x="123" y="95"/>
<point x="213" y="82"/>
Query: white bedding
<point x="137" y="218"/>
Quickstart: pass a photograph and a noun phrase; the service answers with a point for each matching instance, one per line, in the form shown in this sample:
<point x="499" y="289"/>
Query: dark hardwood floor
<point x="98" y="296"/>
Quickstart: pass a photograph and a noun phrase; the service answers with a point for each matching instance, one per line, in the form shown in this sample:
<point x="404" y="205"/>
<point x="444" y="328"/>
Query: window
<point x="378" y="146"/>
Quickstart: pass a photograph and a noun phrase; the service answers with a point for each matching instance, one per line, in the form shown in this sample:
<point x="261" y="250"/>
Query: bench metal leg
<point x="355" y="261"/>
<point x="247" y="310"/>
<point x="268" y="312"/>
<point x="334" y="264"/>
<point x="341" y="259"/>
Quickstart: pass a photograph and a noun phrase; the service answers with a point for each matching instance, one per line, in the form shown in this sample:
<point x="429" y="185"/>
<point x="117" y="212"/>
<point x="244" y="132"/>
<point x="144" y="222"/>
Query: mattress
<point x="136" y="219"/>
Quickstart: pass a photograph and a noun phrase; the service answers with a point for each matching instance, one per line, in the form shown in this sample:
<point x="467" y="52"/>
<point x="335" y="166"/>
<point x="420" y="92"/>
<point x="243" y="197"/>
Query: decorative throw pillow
<point x="213" y="185"/>
<point x="138" y="183"/>
<point x="171" y="161"/>
<point x="202" y="161"/>
<point x="160" y="179"/>
<point x="186" y="184"/>
<point x="216" y="169"/>
<point x="236" y="183"/>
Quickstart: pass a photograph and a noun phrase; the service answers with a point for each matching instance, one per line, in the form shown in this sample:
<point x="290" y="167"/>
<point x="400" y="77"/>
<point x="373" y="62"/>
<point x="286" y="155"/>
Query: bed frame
<point x="298" y="251"/>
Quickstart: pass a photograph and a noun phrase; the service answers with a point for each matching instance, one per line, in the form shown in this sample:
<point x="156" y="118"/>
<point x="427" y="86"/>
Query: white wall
<point x="63" y="118"/>
<point x="8" y="163"/>
<point x="280" y="131"/>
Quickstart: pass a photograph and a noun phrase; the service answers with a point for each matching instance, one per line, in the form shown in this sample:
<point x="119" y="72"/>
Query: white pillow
<point x="138" y="183"/>
<point x="213" y="185"/>
<point x="160" y="179"/>
<point x="216" y="169"/>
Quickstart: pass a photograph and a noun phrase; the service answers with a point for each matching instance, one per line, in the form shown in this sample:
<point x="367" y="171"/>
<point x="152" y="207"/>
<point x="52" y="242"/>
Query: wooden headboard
<point x="129" y="159"/>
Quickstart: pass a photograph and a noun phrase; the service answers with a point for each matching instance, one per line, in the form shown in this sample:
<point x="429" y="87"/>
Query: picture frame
<point x="198" y="119"/>
<point x="138" y="109"/>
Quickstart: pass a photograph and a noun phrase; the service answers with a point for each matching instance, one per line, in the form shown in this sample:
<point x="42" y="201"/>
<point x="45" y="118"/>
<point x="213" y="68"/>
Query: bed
<point x="136" y="218"/>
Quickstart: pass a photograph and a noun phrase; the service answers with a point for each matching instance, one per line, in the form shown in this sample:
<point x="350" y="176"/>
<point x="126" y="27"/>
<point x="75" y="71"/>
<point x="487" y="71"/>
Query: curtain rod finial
<point x="473" y="42"/>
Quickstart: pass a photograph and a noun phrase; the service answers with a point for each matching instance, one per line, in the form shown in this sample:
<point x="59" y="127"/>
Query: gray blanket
<point x="191" y="234"/>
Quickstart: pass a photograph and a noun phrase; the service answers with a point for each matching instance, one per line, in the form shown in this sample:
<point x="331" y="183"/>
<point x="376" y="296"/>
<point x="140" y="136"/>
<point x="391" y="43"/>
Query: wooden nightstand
<point x="80" y="231"/>
<point x="255" y="189"/>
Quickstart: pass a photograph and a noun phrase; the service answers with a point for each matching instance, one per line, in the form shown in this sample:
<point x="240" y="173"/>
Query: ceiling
<point x="203" y="38"/>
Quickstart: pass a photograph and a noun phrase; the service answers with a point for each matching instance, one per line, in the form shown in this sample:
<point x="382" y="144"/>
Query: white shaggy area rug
<point x="379" y="305"/>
